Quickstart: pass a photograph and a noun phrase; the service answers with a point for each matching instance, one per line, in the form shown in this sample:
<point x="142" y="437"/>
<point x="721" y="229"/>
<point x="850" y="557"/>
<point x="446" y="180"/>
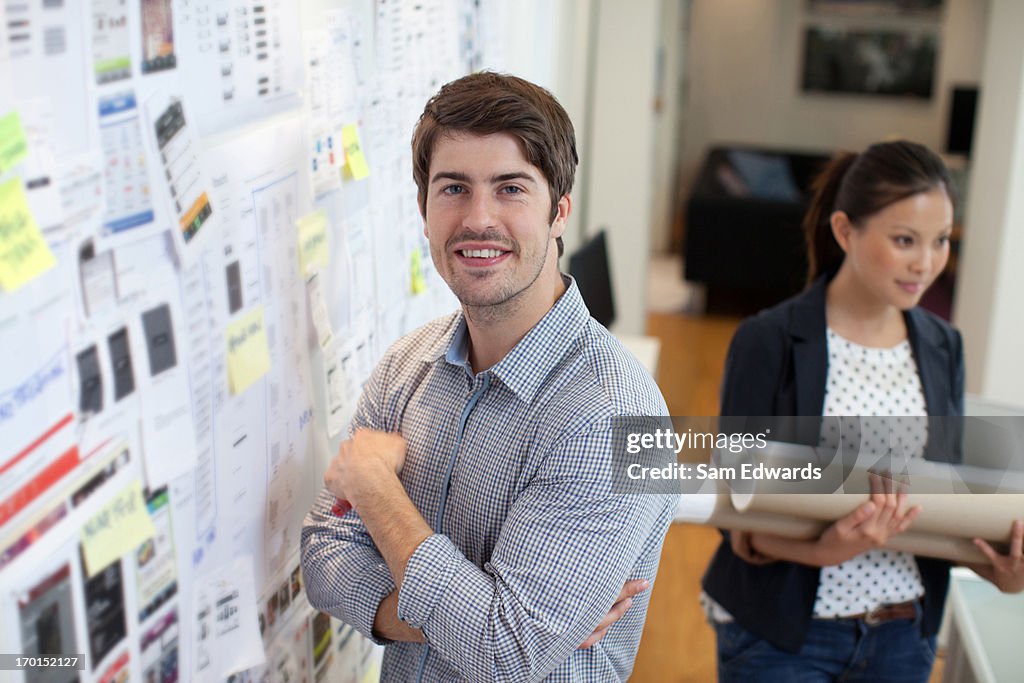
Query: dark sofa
<point x="743" y="215"/>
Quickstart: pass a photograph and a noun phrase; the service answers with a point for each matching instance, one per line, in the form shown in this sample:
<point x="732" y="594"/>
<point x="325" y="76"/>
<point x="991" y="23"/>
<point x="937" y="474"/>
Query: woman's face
<point x="897" y="253"/>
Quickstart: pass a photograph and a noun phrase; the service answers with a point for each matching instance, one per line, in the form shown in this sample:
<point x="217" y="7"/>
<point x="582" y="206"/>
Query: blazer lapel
<point x="932" y="359"/>
<point x="810" y="350"/>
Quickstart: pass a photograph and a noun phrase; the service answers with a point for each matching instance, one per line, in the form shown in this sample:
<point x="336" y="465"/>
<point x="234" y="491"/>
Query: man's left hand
<point x="1006" y="572"/>
<point x="618" y="610"/>
<point x="363" y="463"/>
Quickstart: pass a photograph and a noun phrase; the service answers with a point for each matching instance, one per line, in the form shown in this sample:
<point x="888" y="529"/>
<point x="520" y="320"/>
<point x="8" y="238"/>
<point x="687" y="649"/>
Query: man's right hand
<point x="622" y="604"/>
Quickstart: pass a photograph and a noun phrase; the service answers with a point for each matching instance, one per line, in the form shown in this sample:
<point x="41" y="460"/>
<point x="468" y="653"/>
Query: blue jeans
<point x="834" y="650"/>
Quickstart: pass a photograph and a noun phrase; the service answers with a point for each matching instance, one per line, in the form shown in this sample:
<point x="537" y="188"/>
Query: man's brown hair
<point x="486" y="103"/>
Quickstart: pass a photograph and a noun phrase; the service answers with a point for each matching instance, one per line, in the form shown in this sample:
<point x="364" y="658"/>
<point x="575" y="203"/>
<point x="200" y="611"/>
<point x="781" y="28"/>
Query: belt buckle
<point x="874" y="617"/>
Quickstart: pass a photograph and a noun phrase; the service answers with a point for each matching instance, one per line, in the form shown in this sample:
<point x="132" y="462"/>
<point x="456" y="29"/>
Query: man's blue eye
<point x="453" y="189"/>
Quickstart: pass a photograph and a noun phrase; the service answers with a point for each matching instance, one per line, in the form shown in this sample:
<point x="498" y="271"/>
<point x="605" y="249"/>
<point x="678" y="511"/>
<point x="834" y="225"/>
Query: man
<point x="486" y="541"/>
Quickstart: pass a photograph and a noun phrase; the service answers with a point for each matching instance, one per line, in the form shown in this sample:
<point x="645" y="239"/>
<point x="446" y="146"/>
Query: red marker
<point x="340" y="507"/>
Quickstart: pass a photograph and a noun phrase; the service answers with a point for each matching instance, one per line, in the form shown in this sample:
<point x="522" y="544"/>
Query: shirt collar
<point x="524" y="367"/>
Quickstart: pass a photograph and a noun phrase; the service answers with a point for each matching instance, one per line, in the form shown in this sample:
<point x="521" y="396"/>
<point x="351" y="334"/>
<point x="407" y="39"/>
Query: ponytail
<point x="823" y="252"/>
<point x="861" y="185"/>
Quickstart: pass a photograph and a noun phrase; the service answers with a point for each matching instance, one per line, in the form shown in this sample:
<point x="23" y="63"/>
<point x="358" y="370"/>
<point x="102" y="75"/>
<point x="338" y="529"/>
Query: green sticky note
<point x="24" y="253"/>
<point x="13" y="145"/>
<point x="419" y="282"/>
<point x="313" y="255"/>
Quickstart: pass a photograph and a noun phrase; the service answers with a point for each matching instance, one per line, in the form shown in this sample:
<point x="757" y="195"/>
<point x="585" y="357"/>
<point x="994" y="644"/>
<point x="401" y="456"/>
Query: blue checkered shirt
<point x="512" y="469"/>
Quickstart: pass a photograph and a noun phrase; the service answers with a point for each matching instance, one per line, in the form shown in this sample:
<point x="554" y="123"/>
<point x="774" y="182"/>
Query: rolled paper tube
<point x="717" y="511"/>
<point x="981" y="515"/>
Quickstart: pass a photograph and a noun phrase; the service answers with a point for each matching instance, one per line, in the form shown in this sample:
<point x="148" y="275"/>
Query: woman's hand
<point x="870" y="526"/>
<point x="1006" y="572"/>
<point x="742" y="543"/>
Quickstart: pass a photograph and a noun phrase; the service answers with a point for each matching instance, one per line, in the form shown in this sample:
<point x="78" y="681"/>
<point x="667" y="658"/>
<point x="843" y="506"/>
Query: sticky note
<point x="13" y="144"/>
<point x="24" y="253"/>
<point x="355" y="162"/>
<point x="248" y="354"/>
<point x="313" y="255"/>
<point x="419" y="282"/>
<point x="120" y="527"/>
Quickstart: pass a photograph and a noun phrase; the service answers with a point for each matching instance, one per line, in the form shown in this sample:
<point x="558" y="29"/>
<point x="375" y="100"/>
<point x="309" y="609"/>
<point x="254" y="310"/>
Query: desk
<point x="985" y="632"/>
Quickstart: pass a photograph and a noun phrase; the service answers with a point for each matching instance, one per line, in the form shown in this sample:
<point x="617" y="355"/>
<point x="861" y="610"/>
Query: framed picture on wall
<point x="899" y="63"/>
<point x="918" y="8"/>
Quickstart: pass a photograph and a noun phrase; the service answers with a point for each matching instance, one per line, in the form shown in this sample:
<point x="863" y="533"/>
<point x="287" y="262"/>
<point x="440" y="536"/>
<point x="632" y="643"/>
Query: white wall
<point x="614" y="43"/>
<point x="619" y="194"/>
<point x="744" y="68"/>
<point x="670" y="91"/>
<point x="990" y="281"/>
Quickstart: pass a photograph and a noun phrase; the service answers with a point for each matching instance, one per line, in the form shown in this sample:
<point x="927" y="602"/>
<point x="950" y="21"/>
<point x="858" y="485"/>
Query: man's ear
<point x="564" y="208"/>
<point x="841" y="229"/>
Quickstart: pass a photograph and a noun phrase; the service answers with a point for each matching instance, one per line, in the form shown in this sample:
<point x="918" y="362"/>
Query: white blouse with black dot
<point x="865" y="381"/>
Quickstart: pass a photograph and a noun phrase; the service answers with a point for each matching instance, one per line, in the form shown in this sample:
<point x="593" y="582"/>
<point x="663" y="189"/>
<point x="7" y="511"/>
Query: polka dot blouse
<point x="866" y="381"/>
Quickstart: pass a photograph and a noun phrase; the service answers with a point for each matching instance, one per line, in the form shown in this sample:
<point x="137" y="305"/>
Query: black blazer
<point x="778" y="365"/>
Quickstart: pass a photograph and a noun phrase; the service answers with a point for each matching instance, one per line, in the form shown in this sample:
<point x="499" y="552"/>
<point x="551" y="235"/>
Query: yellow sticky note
<point x="248" y="353"/>
<point x="355" y="162"/>
<point x="24" y="253"/>
<point x="313" y="253"/>
<point x="419" y="282"/>
<point x="13" y="144"/>
<point x="121" y="526"/>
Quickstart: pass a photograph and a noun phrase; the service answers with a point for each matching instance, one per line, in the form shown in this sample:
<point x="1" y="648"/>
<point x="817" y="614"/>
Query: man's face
<point x="487" y="217"/>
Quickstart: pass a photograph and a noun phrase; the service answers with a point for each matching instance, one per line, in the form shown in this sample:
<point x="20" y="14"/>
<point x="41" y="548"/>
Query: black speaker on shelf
<point x="962" y="107"/>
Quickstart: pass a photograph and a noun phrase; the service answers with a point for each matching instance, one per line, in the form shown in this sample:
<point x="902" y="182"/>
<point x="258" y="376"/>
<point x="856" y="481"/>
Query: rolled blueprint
<point x="983" y="515"/>
<point x="716" y="510"/>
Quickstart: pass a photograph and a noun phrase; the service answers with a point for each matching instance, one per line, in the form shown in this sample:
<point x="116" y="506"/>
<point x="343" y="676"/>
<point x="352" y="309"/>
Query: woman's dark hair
<point x="861" y="185"/>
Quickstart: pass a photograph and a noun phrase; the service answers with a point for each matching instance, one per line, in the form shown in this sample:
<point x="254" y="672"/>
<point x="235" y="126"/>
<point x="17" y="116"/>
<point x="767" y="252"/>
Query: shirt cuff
<point x="368" y="589"/>
<point x="428" y="573"/>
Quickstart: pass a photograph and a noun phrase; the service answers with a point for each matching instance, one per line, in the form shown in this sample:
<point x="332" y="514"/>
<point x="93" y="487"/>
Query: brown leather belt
<point x="901" y="610"/>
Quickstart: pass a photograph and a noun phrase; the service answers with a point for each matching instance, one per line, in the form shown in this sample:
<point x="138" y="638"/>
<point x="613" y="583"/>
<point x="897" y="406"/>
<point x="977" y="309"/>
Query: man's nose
<point x="480" y="213"/>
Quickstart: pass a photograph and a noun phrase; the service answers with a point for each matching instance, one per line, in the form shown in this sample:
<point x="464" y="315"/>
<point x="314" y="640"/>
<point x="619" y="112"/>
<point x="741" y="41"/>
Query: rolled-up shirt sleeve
<point x="344" y="573"/>
<point x="566" y="548"/>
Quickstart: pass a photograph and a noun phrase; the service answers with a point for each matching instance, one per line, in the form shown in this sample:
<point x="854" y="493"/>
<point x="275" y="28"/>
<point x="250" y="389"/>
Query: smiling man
<point x="485" y="541"/>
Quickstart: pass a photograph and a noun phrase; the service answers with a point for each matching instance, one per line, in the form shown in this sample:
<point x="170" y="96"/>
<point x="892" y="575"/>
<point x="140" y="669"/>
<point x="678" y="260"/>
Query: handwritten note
<point x="13" y="144"/>
<point x="419" y="282"/>
<point x="313" y="254"/>
<point x="248" y="354"/>
<point x="355" y="162"/>
<point x="120" y="527"/>
<point x="24" y="253"/>
<point x="318" y="310"/>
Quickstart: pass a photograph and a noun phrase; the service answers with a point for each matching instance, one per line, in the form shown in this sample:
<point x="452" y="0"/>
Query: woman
<point x="853" y="343"/>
